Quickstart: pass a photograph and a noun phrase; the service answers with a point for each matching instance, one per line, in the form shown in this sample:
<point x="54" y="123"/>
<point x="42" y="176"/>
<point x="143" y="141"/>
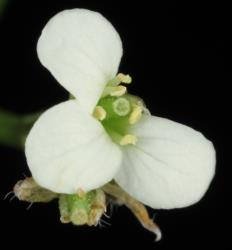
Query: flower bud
<point x="28" y="190"/>
<point x="81" y="210"/>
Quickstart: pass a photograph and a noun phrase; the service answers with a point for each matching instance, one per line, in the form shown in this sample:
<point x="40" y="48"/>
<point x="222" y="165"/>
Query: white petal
<point x="82" y="50"/>
<point x="67" y="149"/>
<point x="171" y="166"/>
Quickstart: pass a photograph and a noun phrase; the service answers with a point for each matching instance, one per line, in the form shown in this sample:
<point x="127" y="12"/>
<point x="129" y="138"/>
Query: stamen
<point x="124" y="78"/>
<point x="114" y="91"/>
<point x="136" y="114"/>
<point x="118" y="91"/>
<point x="121" y="106"/>
<point x="99" y="113"/>
<point x="120" y="78"/>
<point x="128" y="139"/>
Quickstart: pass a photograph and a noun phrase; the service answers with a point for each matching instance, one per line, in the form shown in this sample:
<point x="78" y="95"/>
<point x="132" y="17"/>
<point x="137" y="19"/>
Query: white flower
<point x="161" y="163"/>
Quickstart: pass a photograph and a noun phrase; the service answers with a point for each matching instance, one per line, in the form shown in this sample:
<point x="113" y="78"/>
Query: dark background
<point x="177" y="54"/>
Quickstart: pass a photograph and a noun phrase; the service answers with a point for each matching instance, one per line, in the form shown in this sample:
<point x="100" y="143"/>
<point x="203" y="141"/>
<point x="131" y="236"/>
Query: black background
<point x="178" y="56"/>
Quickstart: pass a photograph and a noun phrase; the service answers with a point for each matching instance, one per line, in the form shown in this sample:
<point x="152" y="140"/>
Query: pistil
<point x="121" y="106"/>
<point x="118" y="111"/>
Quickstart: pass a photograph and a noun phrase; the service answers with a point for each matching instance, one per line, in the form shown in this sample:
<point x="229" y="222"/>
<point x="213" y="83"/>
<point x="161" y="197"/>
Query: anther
<point x="99" y="113"/>
<point x="120" y="78"/>
<point x="128" y="139"/>
<point x="136" y="114"/>
<point x="114" y="91"/>
<point x="124" y="78"/>
<point x="118" y="91"/>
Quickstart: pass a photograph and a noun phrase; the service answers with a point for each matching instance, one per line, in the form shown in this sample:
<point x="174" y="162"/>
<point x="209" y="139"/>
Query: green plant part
<point x="103" y="142"/>
<point x="14" y="128"/>
<point x="81" y="210"/>
<point x="117" y="114"/>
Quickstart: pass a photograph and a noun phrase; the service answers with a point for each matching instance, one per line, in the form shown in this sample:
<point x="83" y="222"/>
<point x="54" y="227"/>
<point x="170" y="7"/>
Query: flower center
<point x="118" y="111"/>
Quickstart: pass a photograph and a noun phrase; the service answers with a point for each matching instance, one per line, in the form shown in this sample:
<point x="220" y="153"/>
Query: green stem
<point x="2" y="5"/>
<point x="14" y="128"/>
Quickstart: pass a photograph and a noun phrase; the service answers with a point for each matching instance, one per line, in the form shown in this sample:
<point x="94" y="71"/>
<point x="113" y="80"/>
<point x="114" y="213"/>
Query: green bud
<point x="86" y="209"/>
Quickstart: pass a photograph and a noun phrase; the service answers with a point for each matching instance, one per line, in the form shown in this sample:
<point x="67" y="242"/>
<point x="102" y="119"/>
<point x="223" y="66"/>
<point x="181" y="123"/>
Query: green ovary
<point x="118" y="111"/>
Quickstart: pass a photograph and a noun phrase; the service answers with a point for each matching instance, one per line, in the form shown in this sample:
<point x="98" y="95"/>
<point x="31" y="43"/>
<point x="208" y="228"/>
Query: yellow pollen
<point x="128" y="139"/>
<point x="136" y="114"/>
<point x="99" y="113"/>
<point x="124" y="78"/>
<point x="118" y="91"/>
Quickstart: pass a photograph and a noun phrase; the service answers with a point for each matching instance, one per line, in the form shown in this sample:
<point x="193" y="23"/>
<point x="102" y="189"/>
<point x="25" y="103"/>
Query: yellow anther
<point x="114" y="91"/>
<point x="118" y="91"/>
<point x="136" y="114"/>
<point x="124" y="78"/>
<point x="99" y="113"/>
<point x="128" y="139"/>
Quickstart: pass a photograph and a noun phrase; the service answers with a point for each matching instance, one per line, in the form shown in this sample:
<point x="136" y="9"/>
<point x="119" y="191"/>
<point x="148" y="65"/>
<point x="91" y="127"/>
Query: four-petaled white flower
<point x="159" y="162"/>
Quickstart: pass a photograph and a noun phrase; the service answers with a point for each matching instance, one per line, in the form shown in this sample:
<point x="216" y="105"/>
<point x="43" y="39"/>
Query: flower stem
<point x="14" y="128"/>
<point x="2" y="5"/>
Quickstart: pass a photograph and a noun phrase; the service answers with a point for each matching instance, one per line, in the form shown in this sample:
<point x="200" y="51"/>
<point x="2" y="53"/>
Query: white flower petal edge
<point x="83" y="51"/>
<point x="171" y="166"/>
<point x="67" y="150"/>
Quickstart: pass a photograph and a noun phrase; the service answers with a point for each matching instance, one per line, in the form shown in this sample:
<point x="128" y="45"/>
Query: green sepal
<point x="82" y="210"/>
